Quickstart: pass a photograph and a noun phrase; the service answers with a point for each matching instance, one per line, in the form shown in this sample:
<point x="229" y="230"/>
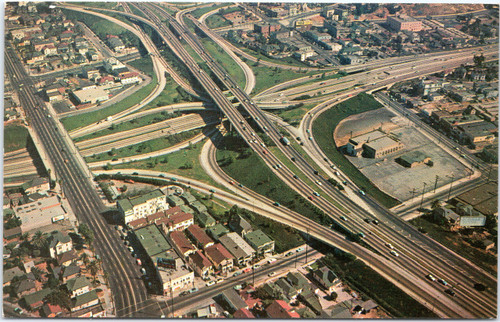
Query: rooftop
<point x="218" y="253"/>
<point x="152" y="240"/>
<point x="180" y="240"/>
<point x="85" y="298"/>
<point x="258" y="238"/>
<point x="236" y="245"/>
<point x="413" y="156"/>
<point x="129" y="203"/>
<point x="382" y="143"/>
<point x="360" y="139"/>
<point x="199" y="235"/>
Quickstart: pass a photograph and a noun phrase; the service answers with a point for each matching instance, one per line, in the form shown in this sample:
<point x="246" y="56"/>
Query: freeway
<point x="128" y="289"/>
<point x="240" y="125"/>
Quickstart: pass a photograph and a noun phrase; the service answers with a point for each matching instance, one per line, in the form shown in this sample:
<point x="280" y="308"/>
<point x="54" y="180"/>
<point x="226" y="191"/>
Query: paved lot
<point x="399" y="181"/>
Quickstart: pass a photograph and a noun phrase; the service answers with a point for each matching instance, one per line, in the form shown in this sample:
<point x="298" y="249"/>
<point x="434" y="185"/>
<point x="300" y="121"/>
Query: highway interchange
<point x="418" y="254"/>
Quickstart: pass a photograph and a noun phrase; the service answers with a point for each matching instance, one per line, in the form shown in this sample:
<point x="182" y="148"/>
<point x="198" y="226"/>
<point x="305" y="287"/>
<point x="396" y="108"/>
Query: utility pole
<point x="253" y="275"/>
<point x="307" y="230"/>
<point x="412" y="194"/>
<point x="423" y="193"/>
<point x="435" y="183"/>
<point x="172" y="298"/>
<point x="451" y="184"/>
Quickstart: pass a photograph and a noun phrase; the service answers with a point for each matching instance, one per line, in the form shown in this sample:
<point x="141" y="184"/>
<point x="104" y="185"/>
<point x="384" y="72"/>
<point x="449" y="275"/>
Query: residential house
<point x="326" y="278"/>
<point x="233" y="300"/>
<point x="85" y="300"/>
<point x="35" y="300"/>
<point x="220" y="257"/>
<point x="239" y="248"/>
<point x="198" y="206"/>
<point x="115" y="43"/>
<point x="201" y="265"/>
<point x="175" y="201"/>
<point x="260" y="242"/>
<point x="288" y="290"/>
<point x="96" y="311"/>
<point x="298" y="281"/>
<point x="66" y="259"/>
<point x="65" y="273"/>
<point x="51" y="311"/>
<point x="59" y="243"/>
<point x="311" y="300"/>
<point x="178" y="221"/>
<point x="200" y="238"/>
<point x="181" y="243"/>
<point x="25" y="287"/>
<point x="279" y="309"/>
<point x="9" y="274"/>
<point x="239" y="225"/>
<point x="217" y="230"/>
<point x="130" y="78"/>
<point x="78" y="286"/>
<point x="205" y="219"/>
<point x="37" y="184"/>
<point x="243" y="313"/>
<point x="189" y="198"/>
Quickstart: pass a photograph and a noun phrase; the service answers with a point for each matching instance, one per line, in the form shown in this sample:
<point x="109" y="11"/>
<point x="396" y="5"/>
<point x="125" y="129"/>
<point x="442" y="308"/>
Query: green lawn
<point x="364" y="279"/>
<point x="171" y="94"/>
<point x="232" y="68"/>
<point x="81" y="120"/>
<point x="323" y="128"/>
<point x="268" y="77"/>
<point x="456" y="243"/>
<point x="200" y="12"/>
<point x="15" y="137"/>
<point x="285" y="61"/>
<point x="176" y="163"/>
<point x="216" y="21"/>
<point x="294" y="115"/>
<point x="132" y="124"/>
<point x="236" y="155"/>
<point x="143" y="147"/>
<point x="144" y="64"/>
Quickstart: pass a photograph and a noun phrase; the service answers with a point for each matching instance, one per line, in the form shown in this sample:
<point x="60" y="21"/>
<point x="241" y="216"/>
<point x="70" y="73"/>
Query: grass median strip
<point x="143" y="147"/>
<point x="266" y="77"/>
<point x="323" y="129"/>
<point x="235" y="155"/>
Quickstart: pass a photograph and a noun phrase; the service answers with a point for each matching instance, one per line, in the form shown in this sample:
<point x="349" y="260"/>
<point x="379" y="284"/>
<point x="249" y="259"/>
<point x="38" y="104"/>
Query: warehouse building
<point x="413" y="159"/>
<point x="91" y="95"/>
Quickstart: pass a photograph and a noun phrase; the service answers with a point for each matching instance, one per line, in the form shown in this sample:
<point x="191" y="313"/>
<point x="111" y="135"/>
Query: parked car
<point x="193" y="290"/>
<point x="210" y="283"/>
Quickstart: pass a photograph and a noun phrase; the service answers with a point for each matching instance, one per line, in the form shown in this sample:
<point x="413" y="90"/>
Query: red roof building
<point x="243" y="314"/>
<point x="178" y="221"/>
<point x="220" y="257"/>
<point x="279" y="309"/>
<point x="201" y="239"/>
<point x="172" y="211"/>
<point x="201" y="265"/>
<point x="138" y="223"/>
<point x="182" y="243"/>
<point x="51" y="311"/>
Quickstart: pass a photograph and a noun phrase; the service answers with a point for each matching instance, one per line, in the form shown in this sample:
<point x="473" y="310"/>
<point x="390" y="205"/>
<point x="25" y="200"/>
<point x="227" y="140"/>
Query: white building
<point x="90" y="95"/>
<point x="176" y="278"/>
<point x="111" y="64"/>
<point x="59" y="244"/>
<point x="40" y="213"/>
<point x="142" y="206"/>
<point x="130" y="78"/>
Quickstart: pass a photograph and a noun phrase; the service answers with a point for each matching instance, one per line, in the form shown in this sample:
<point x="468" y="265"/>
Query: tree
<point x="93" y="268"/>
<point x="436" y="203"/>
<point x="85" y="258"/>
<point x="87" y="233"/>
<point x="39" y="240"/>
<point x="58" y="297"/>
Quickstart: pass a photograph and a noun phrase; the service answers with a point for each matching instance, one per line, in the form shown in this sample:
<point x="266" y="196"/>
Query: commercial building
<point x="242" y="252"/>
<point x="403" y="22"/>
<point x="41" y="212"/>
<point x="481" y="132"/>
<point x="175" y="277"/>
<point x="381" y="147"/>
<point x="142" y="206"/>
<point x="114" y="66"/>
<point x="260" y="242"/>
<point x="413" y="159"/>
<point x="233" y="300"/>
<point x="152" y="241"/>
<point x="90" y="96"/>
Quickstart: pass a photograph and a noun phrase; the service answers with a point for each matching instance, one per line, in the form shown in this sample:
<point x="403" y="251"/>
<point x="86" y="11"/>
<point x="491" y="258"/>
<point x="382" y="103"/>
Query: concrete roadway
<point x="80" y="190"/>
<point x="236" y="125"/>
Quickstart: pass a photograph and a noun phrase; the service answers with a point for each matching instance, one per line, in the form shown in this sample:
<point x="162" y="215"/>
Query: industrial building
<point x="404" y="23"/>
<point x="91" y="95"/>
<point x="373" y="144"/>
<point x="413" y="159"/>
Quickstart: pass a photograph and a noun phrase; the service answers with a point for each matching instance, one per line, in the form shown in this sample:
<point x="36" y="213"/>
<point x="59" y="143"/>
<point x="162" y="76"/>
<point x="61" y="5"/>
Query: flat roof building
<point x="413" y="159"/>
<point x="260" y="242"/>
<point x="142" y="206"/>
<point x="41" y="212"/>
<point x="403" y="22"/>
<point x="90" y="95"/>
<point x="152" y="240"/>
<point x="381" y="147"/>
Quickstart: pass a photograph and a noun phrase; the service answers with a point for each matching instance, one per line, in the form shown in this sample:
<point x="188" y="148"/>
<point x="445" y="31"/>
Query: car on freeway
<point x="310" y="198"/>
<point x="272" y="260"/>
<point x="375" y="221"/>
<point x="277" y="204"/>
<point x="442" y="281"/>
<point x="315" y="193"/>
<point x="361" y="235"/>
<point x="143" y="271"/>
<point x="316" y="172"/>
<point x="183" y="293"/>
<point x="310" y="138"/>
<point x="450" y="292"/>
<point x="256" y="266"/>
<point x="295" y="176"/>
<point x="344" y="182"/>
<point x="212" y="190"/>
<point x="236" y="274"/>
<point x="307" y="131"/>
<point x="430" y="277"/>
<point x="361" y="192"/>
<point x="231" y="182"/>
<point x="343" y="218"/>
<point x="240" y="185"/>
<point x="394" y="253"/>
<point x="288" y="254"/>
<point x="271" y="274"/>
<point x="265" y="152"/>
<point x="318" y="183"/>
<point x="388" y="245"/>
<point x="299" y="249"/>
<point x="293" y="159"/>
<point x="368" y="220"/>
